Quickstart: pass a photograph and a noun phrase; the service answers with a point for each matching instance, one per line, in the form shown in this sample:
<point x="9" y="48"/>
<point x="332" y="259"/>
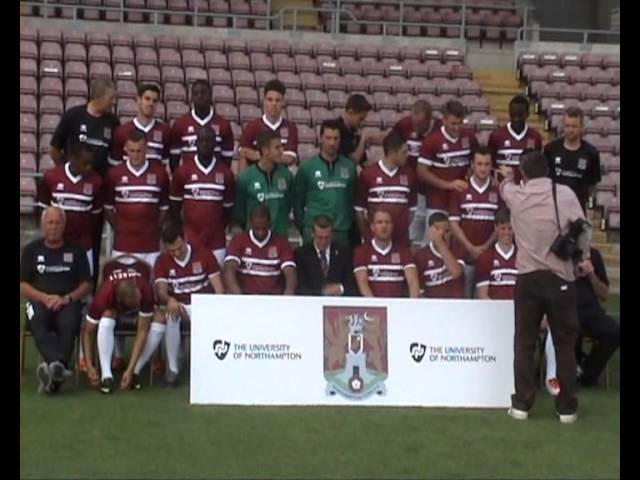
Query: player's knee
<point x="159" y="316"/>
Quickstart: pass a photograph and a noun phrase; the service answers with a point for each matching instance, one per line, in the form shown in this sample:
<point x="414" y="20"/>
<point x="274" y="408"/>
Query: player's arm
<point x="97" y="310"/>
<point x="459" y="234"/>
<point x="358" y="153"/>
<point x="483" y="292"/>
<point x="290" y="155"/>
<point x="175" y="146"/>
<point x="59" y="140"/>
<point x="483" y="276"/>
<point x="290" y="279"/>
<point x="110" y="202"/>
<point x="411" y="275"/>
<point x="240" y="206"/>
<point x="165" y="299"/>
<point x="144" y="322"/>
<point x="362" y="281"/>
<point x="454" y="268"/>
<point x="215" y="281"/>
<point x="428" y="177"/>
<point x="164" y="198"/>
<point x="231" y="276"/>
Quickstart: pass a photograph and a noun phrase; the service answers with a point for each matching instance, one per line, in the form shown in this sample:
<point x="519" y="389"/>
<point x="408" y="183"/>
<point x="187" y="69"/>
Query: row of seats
<point x="571" y="75"/>
<point x="232" y="45"/>
<point x="167" y="12"/>
<point x="584" y="60"/>
<point x="581" y="91"/>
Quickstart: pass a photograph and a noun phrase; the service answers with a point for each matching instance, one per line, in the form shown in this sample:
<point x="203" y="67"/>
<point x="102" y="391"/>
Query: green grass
<point x="154" y="433"/>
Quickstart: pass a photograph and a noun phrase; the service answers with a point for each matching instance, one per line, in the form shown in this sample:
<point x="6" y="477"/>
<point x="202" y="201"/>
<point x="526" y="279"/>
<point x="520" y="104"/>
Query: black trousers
<point x="605" y="333"/>
<point x="539" y="293"/>
<point x="54" y="332"/>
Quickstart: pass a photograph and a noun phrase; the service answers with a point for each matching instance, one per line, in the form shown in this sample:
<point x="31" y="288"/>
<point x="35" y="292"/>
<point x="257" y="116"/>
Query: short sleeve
<point x="454" y="206"/>
<point x="176" y="192"/>
<point x="408" y="260"/>
<point x="211" y="266"/>
<point x="44" y="191"/>
<point x="101" y="302"/>
<point x="99" y="196"/>
<point x="483" y="268"/>
<point x="359" y="259"/>
<point x="175" y="138"/>
<point x="62" y="132"/>
<point x="291" y="147"/>
<point x="594" y="174"/>
<point x="160" y="272"/>
<point x="117" y="147"/>
<point x="248" y="136"/>
<point x="110" y="191"/>
<point x="229" y="190"/>
<point x="227" y="141"/>
<point x="286" y="255"/>
<point x="413" y="191"/>
<point x="234" y="250"/>
<point x="427" y="152"/>
<point x="164" y="188"/>
<point x="362" y="192"/>
<point x="147" y="301"/>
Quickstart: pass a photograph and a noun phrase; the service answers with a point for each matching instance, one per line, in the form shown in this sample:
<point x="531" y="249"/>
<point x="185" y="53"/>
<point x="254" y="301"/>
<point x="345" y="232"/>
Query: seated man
<point x="54" y="277"/>
<point x="182" y="270"/>
<point x="324" y="268"/>
<point x="441" y="271"/>
<point x="260" y="262"/>
<point x="124" y="296"/>
<point x="381" y="268"/>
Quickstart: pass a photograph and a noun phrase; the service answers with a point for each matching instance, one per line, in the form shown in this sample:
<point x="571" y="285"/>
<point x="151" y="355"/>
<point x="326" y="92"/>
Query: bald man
<point x="54" y="277"/>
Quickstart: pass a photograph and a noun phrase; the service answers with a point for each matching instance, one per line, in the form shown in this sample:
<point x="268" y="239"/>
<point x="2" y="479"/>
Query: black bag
<point x="565" y="246"/>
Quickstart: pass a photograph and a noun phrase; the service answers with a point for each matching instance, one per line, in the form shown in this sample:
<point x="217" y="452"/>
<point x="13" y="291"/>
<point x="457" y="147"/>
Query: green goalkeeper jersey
<point x="275" y="190"/>
<point x="323" y="188"/>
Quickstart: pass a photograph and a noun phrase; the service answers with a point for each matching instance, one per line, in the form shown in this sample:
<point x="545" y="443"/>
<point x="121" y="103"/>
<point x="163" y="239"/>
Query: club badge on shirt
<point x="87" y="189"/>
<point x="220" y="178"/>
<point x="260" y="197"/>
<point x="321" y="185"/>
<point x="197" y="267"/>
<point x="157" y="136"/>
<point x="582" y="163"/>
<point x="493" y="197"/>
<point x="272" y="252"/>
<point x="67" y="257"/>
<point x="395" y="258"/>
<point x="404" y="181"/>
<point x="151" y="179"/>
<point x="531" y="143"/>
<point x="282" y="184"/>
<point x="344" y="173"/>
<point x="465" y="143"/>
<point x="107" y="133"/>
<point x="284" y="133"/>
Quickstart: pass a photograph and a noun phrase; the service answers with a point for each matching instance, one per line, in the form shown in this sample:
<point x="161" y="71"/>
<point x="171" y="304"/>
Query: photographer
<point x="552" y="239"/>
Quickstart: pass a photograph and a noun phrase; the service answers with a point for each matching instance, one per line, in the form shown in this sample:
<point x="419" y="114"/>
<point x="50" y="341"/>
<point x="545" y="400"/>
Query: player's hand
<point x="584" y="268"/>
<point x="174" y="308"/>
<point x="458" y="185"/>
<point x="127" y="376"/>
<point x="506" y="172"/>
<point x="55" y="302"/>
<point x="476" y="251"/>
<point x="92" y="374"/>
<point x="331" y="290"/>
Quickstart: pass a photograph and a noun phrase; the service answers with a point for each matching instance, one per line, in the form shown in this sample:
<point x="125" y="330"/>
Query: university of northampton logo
<point x="355" y="351"/>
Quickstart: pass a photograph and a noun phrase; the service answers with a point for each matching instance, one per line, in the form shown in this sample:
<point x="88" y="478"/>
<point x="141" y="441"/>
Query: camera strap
<point x="555" y="204"/>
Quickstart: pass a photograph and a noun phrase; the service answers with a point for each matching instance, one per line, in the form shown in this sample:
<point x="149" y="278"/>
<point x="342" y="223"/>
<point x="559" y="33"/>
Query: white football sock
<point x="154" y="337"/>
<point x="119" y="351"/>
<point x="550" y="355"/>
<point x="172" y="342"/>
<point x="105" y="345"/>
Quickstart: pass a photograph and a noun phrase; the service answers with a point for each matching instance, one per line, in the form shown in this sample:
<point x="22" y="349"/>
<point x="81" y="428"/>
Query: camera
<point x="565" y="246"/>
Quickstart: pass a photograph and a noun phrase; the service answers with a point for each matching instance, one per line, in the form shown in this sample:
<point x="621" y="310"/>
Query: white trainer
<point x="518" y="414"/>
<point x="566" y="419"/>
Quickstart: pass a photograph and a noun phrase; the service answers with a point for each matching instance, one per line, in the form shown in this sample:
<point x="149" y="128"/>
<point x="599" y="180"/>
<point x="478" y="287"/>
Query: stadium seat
<point x="100" y="70"/>
<point x="51" y="104"/>
<point x="28" y="163"/>
<point x="391" y="52"/>
<point x="28" y="123"/>
<point x="306" y="134"/>
<point x="28" y="143"/>
<point x="78" y="87"/>
<point x="334" y="82"/>
<point x="328" y="66"/>
<point x="148" y="73"/>
<point x="316" y="98"/>
<point x="260" y="61"/>
<point x="337" y="99"/>
<point x="318" y="115"/>
<point x="192" y="58"/>
<point x="249" y="112"/>
<point x="307" y="151"/>
<point x="127" y="108"/>
<point x="242" y="78"/>
<point x="223" y="94"/>
<point x="213" y="44"/>
<point x="246" y="95"/>
<point x="215" y="59"/>
<point x="175" y="110"/>
<point x="262" y="77"/>
<point x="50" y="86"/>
<point x="28" y="67"/>
<point x="168" y="57"/>
<point x="99" y="53"/>
<point x="228" y="111"/>
<point x="28" y="49"/>
<point x="290" y="79"/>
<point x="174" y="92"/>
<point x="48" y="123"/>
<point x="356" y="84"/>
<point x="50" y="68"/>
<point x="28" y="86"/>
<point x="298" y="115"/>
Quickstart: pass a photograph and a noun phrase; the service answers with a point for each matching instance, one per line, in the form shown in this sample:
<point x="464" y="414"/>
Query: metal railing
<point x="278" y="20"/>
<point x="582" y="36"/>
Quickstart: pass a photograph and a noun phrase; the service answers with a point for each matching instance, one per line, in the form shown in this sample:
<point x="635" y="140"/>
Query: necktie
<point x="324" y="266"/>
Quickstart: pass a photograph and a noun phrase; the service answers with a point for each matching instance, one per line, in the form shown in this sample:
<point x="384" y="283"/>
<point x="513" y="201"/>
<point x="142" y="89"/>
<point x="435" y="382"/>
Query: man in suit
<point x="323" y="267"/>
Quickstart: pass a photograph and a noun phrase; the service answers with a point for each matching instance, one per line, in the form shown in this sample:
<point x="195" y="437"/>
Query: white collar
<point x="327" y="251"/>
<point x="256" y="242"/>
<point x="379" y="250"/>
<point x="140" y="172"/>
<point x="187" y="257"/>
<point x="515" y="135"/>
<point x="508" y="254"/>
<point x="202" y="122"/>
<point x="390" y="173"/>
<point x="146" y="129"/>
<point x="272" y="126"/>
<point x="447" y="136"/>
<point x="67" y="170"/>
<point x="432" y="247"/>
<point x="478" y="188"/>
<point x="206" y="171"/>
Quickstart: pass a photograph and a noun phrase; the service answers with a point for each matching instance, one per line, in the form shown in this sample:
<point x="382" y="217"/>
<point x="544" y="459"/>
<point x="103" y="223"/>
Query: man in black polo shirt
<point x="54" y="277"/>
<point x="573" y="161"/>
<point x="352" y="143"/>
<point x="592" y="286"/>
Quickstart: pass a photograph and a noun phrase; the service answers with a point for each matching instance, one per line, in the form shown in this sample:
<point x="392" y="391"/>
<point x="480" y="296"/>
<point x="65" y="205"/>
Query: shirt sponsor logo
<point x="582" y="163"/>
<point x="151" y="179"/>
<point x="67" y="257"/>
<point x="87" y="189"/>
<point x="197" y="267"/>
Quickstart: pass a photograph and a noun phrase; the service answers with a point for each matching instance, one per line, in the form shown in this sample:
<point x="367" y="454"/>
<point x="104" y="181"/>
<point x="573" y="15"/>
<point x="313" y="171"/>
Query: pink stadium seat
<point x="603" y="76"/>
<point x="146" y="56"/>
<point x="591" y="60"/>
<point x="190" y="42"/>
<point x="305" y="64"/>
<point x="366" y="51"/>
<point x="28" y="143"/>
<point x="380" y="84"/>
<point x="391" y="52"/>
<point x="262" y="77"/>
<point x="307" y="151"/>
<point x="28" y="33"/>
<point x="100" y="70"/>
<point x="51" y="104"/>
<point x="78" y="87"/>
<point x="411" y="53"/>
<point x="28" y="67"/>
<point x="549" y="58"/>
<point x="290" y="79"/>
<point x="51" y="86"/>
<point x="475" y="104"/>
<point x="227" y="111"/>
<point x="223" y="94"/>
<point x="127" y="108"/>
<point x="444" y="86"/>
<point x="144" y="40"/>
<point x="257" y="45"/>
<point x="337" y="98"/>
<point x="28" y="86"/>
<point x="172" y="74"/>
<point x="213" y="44"/>
<point x="169" y="57"/>
<point x="558" y="76"/>
<point x="121" y="40"/>
<point x="50" y="35"/>
<point x="417" y="70"/>
<point x="215" y="59"/>
<point x="148" y="73"/>
<point x="175" y="110"/>
<point x="328" y="66"/>
<point x="528" y="58"/>
<point x="385" y="101"/>
<point x="311" y="81"/>
<point x="461" y="71"/>
<point x="191" y="74"/>
<point x="44" y="142"/>
<point x="28" y="49"/>
<point x="28" y="123"/>
<point x="395" y="70"/>
<point x="318" y="115"/>
<point x="306" y="134"/>
<point x="50" y="68"/>
<point x="611" y="60"/>
<point x="356" y="83"/>
<point x="422" y="86"/>
<point x="260" y="61"/>
<point x="28" y="163"/>
<point x="349" y="66"/>
<point x="192" y="58"/>
<point x="174" y="92"/>
<point x="334" y="82"/>
<point x="299" y="116"/>
<point x="283" y="63"/>
<point x="302" y="48"/>
<point x="122" y="55"/>
<point x="294" y="97"/>
<point x="451" y="55"/>
<point x="469" y="87"/>
<point x="71" y="102"/>
<point x="236" y="45"/>
<point x="371" y="66"/>
<point x="279" y="47"/>
<point x="249" y="112"/>
<point x="567" y="59"/>
<point x="239" y="61"/>
<point x="246" y="95"/>
<point x="28" y="187"/>
<point x="316" y="98"/>
<point x="439" y="71"/>
<point x="99" y="53"/>
<point x="242" y="78"/>
<point x="324" y="48"/>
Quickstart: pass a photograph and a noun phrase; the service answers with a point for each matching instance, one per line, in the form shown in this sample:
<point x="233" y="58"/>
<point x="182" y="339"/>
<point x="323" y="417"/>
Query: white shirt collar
<point x="508" y="254"/>
<point x="256" y="242"/>
<point x="379" y="250"/>
<point x="514" y="134"/>
<point x="327" y="252"/>
<point x="447" y="136"/>
<point x="390" y="173"/>
<point x="187" y="257"/>
<point x="67" y="170"/>
<point x="202" y="122"/>
<point x="272" y="126"/>
<point x="140" y="172"/>
<point x="146" y="129"/>
<point x="432" y="247"/>
<point x="201" y="167"/>
<point x="480" y="188"/>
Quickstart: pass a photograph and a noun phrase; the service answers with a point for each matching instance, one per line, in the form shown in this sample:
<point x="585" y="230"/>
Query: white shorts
<point x="150" y="258"/>
<point x="90" y="258"/>
<point x="220" y="253"/>
<point x="186" y="307"/>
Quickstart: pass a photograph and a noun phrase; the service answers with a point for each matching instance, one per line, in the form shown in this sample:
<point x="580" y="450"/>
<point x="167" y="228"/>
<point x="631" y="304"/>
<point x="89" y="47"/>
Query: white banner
<point x="270" y="350"/>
